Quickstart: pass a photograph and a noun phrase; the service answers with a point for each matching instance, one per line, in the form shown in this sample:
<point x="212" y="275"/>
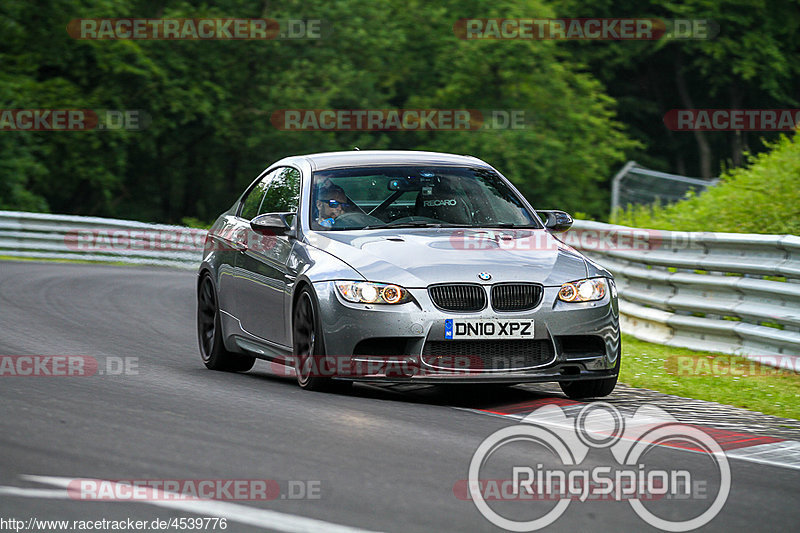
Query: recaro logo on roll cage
<point x="437" y="203"/>
<point x="599" y="425"/>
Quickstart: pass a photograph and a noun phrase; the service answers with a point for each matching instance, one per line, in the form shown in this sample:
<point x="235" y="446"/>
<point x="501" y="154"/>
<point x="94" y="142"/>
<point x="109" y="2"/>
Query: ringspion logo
<point x="571" y="479"/>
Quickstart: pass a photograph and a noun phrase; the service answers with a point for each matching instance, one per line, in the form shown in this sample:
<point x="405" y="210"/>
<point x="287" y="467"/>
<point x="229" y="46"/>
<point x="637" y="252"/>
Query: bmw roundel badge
<point x="485" y="276"/>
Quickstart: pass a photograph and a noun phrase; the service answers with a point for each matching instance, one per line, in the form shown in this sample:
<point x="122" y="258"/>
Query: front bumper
<point x="388" y="342"/>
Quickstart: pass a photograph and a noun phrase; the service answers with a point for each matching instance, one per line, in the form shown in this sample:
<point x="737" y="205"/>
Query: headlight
<point x="584" y="290"/>
<point x="372" y="293"/>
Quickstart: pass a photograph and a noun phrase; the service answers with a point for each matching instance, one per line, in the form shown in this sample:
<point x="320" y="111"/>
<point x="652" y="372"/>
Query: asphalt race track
<point x="379" y="458"/>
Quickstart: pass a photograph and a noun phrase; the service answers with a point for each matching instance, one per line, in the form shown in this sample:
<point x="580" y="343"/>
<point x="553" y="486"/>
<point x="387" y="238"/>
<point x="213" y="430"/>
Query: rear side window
<point x="252" y="202"/>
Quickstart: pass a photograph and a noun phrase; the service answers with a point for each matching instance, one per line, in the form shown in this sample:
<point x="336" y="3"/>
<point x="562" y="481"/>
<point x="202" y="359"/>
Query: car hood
<point x="416" y="258"/>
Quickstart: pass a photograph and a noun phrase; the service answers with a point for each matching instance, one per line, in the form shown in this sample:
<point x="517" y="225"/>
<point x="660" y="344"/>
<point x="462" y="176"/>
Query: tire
<point x="209" y="333"/>
<point x="592" y="388"/>
<point x="308" y="347"/>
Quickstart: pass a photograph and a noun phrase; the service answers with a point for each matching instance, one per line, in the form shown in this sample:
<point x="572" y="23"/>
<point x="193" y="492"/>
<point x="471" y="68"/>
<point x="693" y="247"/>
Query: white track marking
<point x="263" y="518"/>
<point x="53" y="494"/>
<point x="784" y="454"/>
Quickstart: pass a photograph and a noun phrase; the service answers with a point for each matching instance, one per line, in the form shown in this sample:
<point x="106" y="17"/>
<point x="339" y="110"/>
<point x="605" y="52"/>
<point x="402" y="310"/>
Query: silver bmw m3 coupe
<point x="403" y="266"/>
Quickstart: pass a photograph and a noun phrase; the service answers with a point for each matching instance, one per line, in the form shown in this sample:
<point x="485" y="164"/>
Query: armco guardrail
<point x="724" y="292"/>
<point x="45" y="236"/>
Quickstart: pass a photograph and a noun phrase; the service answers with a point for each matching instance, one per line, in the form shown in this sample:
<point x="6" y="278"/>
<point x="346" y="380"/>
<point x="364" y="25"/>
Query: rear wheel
<point x="311" y="365"/>
<point x="591" y="388"/>
<point x="209" y="333"/>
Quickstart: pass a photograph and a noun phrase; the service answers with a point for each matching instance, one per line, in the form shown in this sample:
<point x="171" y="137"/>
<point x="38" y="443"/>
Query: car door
<point x="231" y="240"/>
<point x="263" y="273"/>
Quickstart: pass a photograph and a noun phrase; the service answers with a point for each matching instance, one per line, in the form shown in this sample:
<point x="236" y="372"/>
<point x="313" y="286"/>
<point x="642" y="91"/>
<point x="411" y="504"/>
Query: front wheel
<point x="209" y="333"/>
<point x="311" y="365"/>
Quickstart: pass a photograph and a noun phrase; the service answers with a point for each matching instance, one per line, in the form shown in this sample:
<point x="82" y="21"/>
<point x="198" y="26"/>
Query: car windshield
<point x="415" y="196"/>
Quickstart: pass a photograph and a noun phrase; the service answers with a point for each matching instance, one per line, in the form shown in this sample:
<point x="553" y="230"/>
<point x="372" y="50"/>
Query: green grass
<point x="656" y="367"/>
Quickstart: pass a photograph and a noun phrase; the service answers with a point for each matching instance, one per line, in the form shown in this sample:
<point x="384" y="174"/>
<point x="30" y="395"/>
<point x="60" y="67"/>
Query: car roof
<point x="357" y="158"/>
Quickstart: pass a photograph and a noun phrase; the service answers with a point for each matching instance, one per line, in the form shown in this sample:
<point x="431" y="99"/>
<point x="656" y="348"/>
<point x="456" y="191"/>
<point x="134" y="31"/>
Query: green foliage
<point x="211" y="101"/>
<point x="751" y="63"/>
<point x="762" y="198"/>
<point x="588" y="106"/>
<point x="192" y="222"/>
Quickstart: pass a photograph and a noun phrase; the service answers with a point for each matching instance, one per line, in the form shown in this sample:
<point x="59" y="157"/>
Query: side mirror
<point x="556" y="221"/>
<point x="274" y="224"/>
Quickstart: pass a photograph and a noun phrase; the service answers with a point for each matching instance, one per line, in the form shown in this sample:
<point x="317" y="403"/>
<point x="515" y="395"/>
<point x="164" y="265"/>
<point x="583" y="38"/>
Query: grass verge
<point x="709" y="376"/>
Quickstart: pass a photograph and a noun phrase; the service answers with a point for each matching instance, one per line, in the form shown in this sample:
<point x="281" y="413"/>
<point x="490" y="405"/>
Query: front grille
<point x="516" y="296"/>
<point x="487" y="355"/>
<point x="462" y="297"/>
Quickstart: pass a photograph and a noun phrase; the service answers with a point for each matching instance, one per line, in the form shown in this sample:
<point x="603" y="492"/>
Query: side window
<point x="253" y="200"/>
<point x="283" y="195"/>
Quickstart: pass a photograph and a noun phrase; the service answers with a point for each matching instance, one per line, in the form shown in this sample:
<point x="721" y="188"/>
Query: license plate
<point x="486" y="328"/>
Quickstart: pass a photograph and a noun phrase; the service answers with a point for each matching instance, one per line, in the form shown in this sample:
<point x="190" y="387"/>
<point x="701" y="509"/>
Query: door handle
<point x="239" y="245"/>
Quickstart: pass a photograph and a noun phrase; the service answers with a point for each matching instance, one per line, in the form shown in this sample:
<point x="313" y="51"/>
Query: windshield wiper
<point x="508" y="225"/>
<point x="418" y="224"/>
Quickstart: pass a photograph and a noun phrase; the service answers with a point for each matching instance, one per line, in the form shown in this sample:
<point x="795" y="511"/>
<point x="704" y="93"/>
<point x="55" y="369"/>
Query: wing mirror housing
<point x="556" y="221"/>
<point x="281" y="224"/>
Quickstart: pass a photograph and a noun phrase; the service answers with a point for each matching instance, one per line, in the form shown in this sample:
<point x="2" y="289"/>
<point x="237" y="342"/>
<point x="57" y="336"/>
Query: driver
<point x="331" y="201"/>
